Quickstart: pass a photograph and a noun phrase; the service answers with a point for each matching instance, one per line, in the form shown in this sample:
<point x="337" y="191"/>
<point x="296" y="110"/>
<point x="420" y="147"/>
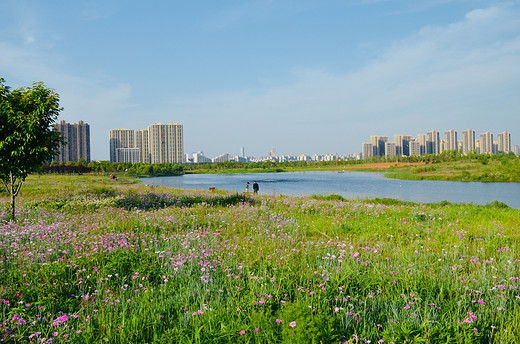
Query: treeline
<point x="266" y="165"/>
<point x="68" y="169"/>
<point x="136" y="170"/>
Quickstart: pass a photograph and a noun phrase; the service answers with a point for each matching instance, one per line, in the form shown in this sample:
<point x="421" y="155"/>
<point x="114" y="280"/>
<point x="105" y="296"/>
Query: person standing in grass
<point x="255" y="187"/>
<point x="247" y="187"/>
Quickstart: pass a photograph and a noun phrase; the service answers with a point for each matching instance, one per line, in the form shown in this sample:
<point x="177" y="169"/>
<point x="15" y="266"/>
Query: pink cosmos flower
<point x="293" y="324"/>
<point x="278" y="320"/>
<point x="257" y="329"/>
<point x="242" y="332"/>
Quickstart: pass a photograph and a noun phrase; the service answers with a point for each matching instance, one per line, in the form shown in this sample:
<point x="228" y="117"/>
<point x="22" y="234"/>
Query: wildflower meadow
<point x="90" y="260"/>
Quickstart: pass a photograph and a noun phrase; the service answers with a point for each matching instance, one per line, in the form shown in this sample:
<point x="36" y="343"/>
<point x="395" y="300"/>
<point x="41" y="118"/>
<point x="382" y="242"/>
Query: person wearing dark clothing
<point x="255" y="187"/>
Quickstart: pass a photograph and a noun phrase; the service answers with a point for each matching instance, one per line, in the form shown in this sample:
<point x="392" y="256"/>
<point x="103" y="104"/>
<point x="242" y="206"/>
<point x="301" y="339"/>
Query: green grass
<point x="491" y="169"/>
<point x="91" y="260"/>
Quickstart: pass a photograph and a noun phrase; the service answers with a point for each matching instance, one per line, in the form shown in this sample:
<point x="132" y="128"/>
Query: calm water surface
<point x="351" y="185"/>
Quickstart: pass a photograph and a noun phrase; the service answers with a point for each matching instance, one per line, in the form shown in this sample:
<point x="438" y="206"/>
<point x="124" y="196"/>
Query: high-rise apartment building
<point x="379" y="144"/>
<point x="423" y="143"/>
<point x="504" y="142"/>
<point x="450" y="140"/>
<point x="390" y="149"/>
<point x="433" y="142"/>
<point x="486" y="143"/>
<point x="368" y="150"/>
<point x="415" y="148"/>
<point x="402" y="144"/>
<point x="142" y="142"/>
<point x="77" y="142"/>
<point x="468" y="141"/>
<point x="159" y="143"/>
<point x="120" y="138"/>
<point x="166" y="143"/>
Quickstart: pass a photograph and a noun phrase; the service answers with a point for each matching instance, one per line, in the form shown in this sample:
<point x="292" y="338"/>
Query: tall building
<point x="390" y="149"/>
<point x="166" y="143"/>
<point x="486" y="143"/>
<point x="516" y="150"/>
<point x="367" y="150"/>
<point x="450" y="140"/>
<point x="77" y="142"/>
<point x="468" y="141"/>
<point x="143" y="143"/>
<point x="433" y="142"/>
<point x="423" y="143"/>
<point x="415" y="148"/>
<point x="402" y="143"/>
<point x="378" y="142"/>
<point x="504" y="142"/>
<point x="120" y="138"/>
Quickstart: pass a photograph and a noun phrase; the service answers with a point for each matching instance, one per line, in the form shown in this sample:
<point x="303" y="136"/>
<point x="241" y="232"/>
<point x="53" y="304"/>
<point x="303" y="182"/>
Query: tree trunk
<point x="13" y="197"/>
<point x="13" y="206"/>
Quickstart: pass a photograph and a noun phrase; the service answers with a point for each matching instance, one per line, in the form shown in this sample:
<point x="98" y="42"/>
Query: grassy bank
<point x="93" y="260"/>
<point x="495" y="169"/>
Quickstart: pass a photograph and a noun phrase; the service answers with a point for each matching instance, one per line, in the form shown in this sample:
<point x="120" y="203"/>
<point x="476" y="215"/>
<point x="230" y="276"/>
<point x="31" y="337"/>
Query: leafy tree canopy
<point x="27" y="137"/>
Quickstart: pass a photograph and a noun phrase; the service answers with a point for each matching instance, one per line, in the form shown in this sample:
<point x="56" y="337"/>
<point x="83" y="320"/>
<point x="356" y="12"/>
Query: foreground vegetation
<point x="94" y="260"/>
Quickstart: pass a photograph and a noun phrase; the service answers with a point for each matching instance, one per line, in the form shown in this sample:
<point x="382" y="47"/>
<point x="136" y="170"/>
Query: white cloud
<point x="460" y="75"/>
<point x="483" y="14"/>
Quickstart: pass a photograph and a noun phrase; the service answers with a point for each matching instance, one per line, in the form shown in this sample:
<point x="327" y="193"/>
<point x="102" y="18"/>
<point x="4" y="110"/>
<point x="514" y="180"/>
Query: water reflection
<point x="351" y="185"/>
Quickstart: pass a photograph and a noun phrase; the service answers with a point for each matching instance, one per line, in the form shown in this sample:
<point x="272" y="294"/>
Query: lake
<point x="351" y="185"/>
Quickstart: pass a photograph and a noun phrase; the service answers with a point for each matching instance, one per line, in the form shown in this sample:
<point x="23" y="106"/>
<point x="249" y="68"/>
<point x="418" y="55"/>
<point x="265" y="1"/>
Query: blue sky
<point x="303" y="76"/>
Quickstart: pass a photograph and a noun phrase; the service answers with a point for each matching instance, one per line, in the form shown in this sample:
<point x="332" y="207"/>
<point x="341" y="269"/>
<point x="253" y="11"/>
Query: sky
<point x="303" y="76"/>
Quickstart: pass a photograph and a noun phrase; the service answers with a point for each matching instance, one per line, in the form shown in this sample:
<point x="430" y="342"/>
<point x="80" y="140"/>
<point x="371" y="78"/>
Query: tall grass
<point x="83" y="266"/>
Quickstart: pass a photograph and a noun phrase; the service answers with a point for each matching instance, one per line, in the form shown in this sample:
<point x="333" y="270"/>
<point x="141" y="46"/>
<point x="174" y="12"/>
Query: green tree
<point x="27" y="138"/>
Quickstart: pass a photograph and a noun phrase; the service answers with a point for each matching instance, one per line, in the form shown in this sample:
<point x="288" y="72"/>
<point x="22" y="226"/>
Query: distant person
<point x="255" y="187"/>
<point x="247" y="187"/>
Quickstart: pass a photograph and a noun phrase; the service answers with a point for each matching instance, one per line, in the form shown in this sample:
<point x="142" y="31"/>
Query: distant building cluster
<point x="199" y="158"/>
<point x="159" y="143"/>
<point x="431" y="143"/>
<point x="163" y="143"/>
<point x="76" y="144"/>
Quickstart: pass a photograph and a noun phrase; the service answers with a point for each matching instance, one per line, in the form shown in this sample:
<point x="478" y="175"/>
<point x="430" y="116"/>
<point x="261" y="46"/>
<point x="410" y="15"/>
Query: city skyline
<point x="127" y="140"/>
<point x="432" y="143"/>
<point x="303" y="76"/>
